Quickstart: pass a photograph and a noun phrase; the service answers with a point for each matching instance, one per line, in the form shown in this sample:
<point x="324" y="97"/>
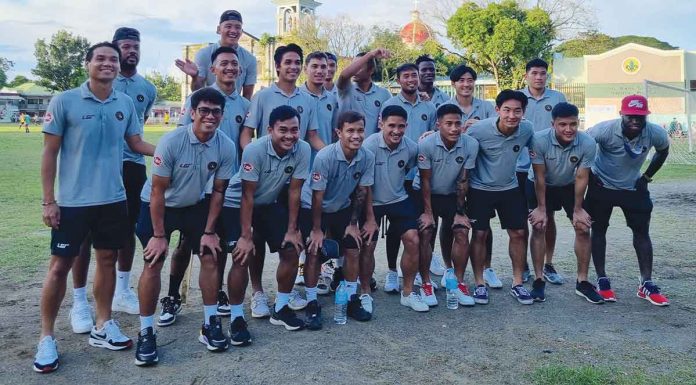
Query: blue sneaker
<point x="552" y="276"/>
<point x="521" y="295"/>
<point x="537" y="292"/>
<point x="481" y="295"/>
<point x="526" y="274"/>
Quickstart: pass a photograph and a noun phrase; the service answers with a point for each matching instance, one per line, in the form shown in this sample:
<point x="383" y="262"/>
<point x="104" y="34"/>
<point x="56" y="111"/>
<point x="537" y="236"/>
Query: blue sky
<point x="166" y="25"/>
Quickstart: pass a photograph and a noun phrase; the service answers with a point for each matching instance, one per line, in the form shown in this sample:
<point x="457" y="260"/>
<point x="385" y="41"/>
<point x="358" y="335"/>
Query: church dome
<point x="416" y="32"/>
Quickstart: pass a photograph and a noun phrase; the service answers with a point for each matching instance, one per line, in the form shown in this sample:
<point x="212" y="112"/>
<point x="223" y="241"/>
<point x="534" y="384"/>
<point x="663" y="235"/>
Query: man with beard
<point x="143" y="93"/>
<point x="426" y="71"/>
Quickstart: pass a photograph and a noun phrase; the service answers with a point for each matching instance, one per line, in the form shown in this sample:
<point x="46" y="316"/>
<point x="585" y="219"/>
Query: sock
<point x="209" y="310"/>
<point x="122" y="280"/>
<point x="80" y="296"/>
<point x="282" y="299"/>
<point x="236" y="311"/>
<point x="351" y="288"/>
<point x="147" y="322"/>
<point x="311" y="293"/>
<point x="174" y="285"/>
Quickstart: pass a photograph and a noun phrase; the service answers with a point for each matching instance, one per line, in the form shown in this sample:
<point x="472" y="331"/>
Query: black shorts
<point x="402" y="216"/>
<point x="105" y="223"/>
<point x="190" y="221"/>
<point x="269" y="222"/>
<point x="522" y="178"/>
<point x="557" y="198"/>
<point x="510" y="205"/>
<point x="333" y="224"/>
<point x="599" y="202"/>
<point x="134" y="177"/>
<point x="444" y="206"/>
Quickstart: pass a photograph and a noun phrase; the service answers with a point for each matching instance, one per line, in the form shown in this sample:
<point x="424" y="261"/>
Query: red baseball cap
<point x="634" y="105"/>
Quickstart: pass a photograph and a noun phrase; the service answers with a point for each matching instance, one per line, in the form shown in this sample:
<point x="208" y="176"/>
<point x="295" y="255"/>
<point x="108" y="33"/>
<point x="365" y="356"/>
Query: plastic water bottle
<point x="341" y="304"/>
<point x="451" y="286"/>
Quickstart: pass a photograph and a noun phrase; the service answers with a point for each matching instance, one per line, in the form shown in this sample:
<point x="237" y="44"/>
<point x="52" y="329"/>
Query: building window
<point x="692" y="85"/>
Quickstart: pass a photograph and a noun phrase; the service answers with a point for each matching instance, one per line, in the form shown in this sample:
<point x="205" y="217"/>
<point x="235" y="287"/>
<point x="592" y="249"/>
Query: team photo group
<point x="314" y="172"/>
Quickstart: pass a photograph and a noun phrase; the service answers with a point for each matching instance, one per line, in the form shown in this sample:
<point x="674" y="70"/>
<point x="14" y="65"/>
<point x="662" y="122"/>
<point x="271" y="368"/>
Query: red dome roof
<point x="416" y="32"/>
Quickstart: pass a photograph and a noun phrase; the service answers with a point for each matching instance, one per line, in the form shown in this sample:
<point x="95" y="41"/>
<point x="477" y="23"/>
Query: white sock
<point x="282" y="299"/>
<point x="147" y="322"/>
<point x="236" y="311"/>
<point x="122" y="280"/>
<point x="208" y="311"/>
<point x="311" y="293"/>
<point x="80" y="296"/>
<point x="351" y="288"/>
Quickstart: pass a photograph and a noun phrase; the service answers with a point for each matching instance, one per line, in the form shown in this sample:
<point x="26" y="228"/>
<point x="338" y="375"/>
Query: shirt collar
<point x="554" y="139"/>
<point x="86" y="93"/>
<point x="277" y="90"/>
<point x="194" y="140"/>
<point x="340" y="156"/>
<point x="272" y="152"/>
<point x="324" y="91"/>
<point x="497" y="131"/>
<point x="529" y="94"/>
<point x="403" y="99"/>
<point x="121" y="78"/>
<point x="439" y="142"/>
<point x="382" y="144"/>
<point x="618" y="131"/>
<point x="232" y="95"/>
<point x="372" y="89"/>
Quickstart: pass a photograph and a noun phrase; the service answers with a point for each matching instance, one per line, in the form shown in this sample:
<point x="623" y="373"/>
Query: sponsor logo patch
<point x="316" y="176"/>
<point x="212" y="166"/>
<point x="247" y="167"/>
<point x="48" y="118"/>
<point x="421" y="158"/>
<point x="532" y="154"/>
<point x="62" y="245"/>
<point x="157" y="160"/>
<point x="119" y="115"/>
<point x="87" y="117"/>
<point x="635" y="103"/>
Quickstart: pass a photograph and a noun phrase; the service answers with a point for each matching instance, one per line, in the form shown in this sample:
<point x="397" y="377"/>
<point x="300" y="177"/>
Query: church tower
<point x="289" y="13"/>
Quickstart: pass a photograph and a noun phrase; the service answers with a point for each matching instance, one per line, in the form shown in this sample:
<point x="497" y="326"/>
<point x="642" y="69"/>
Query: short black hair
<point x="508" y="94"/>
<point x="283" y="49"/>
<point x="448" y="108"/>
<point x="90" y="50"/>
<point x="207" y="94"/>
<point x="349" y="117"/>
<point x="394" y="111"/>
<point x="281" y="113"/>
<point x="564" y="110"/>
<point x="460" y="70"/>
<point x="536" y="63"/>
<point x="222" y="50"/>
<point x="372" y="63"/>
<point x="331" y="56"/>
<point x="316" y="55"/>
<point x="405" y="67"/>
<point x="424" y="58"/>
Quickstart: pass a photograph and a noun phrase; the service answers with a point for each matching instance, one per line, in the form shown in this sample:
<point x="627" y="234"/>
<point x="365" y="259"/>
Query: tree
<point x="344" y="36"/>
<point x="18" y="81"/>
<point x="644" y="40"/>
<point x="501" y="38"/>
<point x="60" y="62"/>
<point x="5" y="65"/>
<point x="168" y="88"/>
<point x="306" y="35"/>
<point x="593" y="43"/>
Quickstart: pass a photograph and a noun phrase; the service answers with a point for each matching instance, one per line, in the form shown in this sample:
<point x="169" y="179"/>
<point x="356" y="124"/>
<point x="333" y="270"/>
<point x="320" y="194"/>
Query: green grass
<point x="591" y="375"/>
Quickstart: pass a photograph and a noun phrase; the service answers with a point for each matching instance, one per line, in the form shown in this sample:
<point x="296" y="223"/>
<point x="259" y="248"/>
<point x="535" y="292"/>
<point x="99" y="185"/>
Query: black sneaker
<point x="589" y="292"/>
<point x="313" y="315"/>
<point x="337" y="278"/>
<point x="212" y="336"/>
<point x="373" y="284"/>
<point x="287" y="318"/>
<point x="223" y="304"/>
<point x="239" y="335"/>
<point x="537" y="292"/>
<point x="171" y="306"/>
<point x="356" y="310"/>
<point x="146" y="350"/>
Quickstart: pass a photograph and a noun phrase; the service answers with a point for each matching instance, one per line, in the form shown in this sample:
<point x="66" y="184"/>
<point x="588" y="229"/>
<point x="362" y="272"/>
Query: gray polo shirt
<point x="91" y="151"/>
<point x="480" y="109"/>
<point x="618" y="159"/>
<point x="261" y="164"/>
<point x="497" y="156"/>
<point x="367" y="103"/>
<point x="445" y="164"/>
<point x="264" y="101"/>
<point x="421" y="115"/>
<point x="561" y="162"/>
<point x="439" y="97"/>
<point x="190" y="164"/>
<point x="144" y="95"/>
<point x="538" y="112"/>
<point x="326" y="107"/>
<point x="247" y="65"/>
<point x="391" y="167"/>
<point x="337" y="177"/>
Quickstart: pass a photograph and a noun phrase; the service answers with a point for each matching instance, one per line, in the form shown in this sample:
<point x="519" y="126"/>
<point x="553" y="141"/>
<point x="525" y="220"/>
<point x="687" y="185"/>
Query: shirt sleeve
<point x="250" y="78"/>
<point x="320" y="173"/>
<point x="537" y="152"/>
<point x="54" y="120"/>
<point x="423" y="156"/>
<point x="185" y="117"/>
<point x="598" y="133"/>
<point x="472" y="149"/>
<point x="227" y="159"/>
<point x="163" y="159"/>
<point x="661" y="140"/>
<point x="588" y="154"/>
<point x="412" y="156"/>
<point x="202" y="60"/>
<point x="251" y="165"/>
<point x="302" y="166"/>
<point x="368" y="176"/>
<point x="489" y="110"/>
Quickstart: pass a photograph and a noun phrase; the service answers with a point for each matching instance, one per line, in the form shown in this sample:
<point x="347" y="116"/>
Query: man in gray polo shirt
<point x="426" y="72"/>
<point x="421" y="113"/>
<point x="332" y="64"/>
<point x="493" y="187"/>
<point x="623" y="145"/>
<point x="326" y="104"/>
<point x="185" y="160"/>
<point x="230" y="31"/>
<point x="473" y="109"/>
<point x="561" y="161"/>
<point x="541" y="101"/>
<point x="86" y="126"/>
<point x="361" y="94"/>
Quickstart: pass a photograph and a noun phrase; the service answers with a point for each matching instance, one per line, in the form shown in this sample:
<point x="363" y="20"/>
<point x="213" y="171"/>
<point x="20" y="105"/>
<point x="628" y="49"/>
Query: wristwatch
<point x="648" y="178"/>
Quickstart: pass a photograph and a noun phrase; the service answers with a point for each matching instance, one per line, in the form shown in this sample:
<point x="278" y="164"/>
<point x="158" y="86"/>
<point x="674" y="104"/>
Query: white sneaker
<point x="366" y="302"/>
<point x="296" y="301"/>
<point x="436" y="266"/>
<point x="491" y="279"/>
<point x="126" y="301"/>
<point x="418" y="281"/>
<point x="465" y="299"/>
<point x="259" y="305"/>
<point x="415" y="302"/>
<point x="427" y="294"/>
<point x="81" y="318"/>
<point x="391" y="282"/>
<point x="109" y="337"/>
<point x="46" y="359"/>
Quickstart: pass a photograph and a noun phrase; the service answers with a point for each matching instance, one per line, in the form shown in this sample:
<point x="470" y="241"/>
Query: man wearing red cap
<point x="623" y="145"/>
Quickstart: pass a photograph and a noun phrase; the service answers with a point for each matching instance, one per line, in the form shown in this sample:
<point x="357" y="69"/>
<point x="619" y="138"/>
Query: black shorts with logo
<point x="106" y="224"/>
<point x="333" y="224"/>
<point x="557" y="198"/>
<point x="190" y="221"/>
<point x="134" y="177"/>
<point x="509" y="204"/>
<point x="599" y="202"/>
<point x="269" y="222"/>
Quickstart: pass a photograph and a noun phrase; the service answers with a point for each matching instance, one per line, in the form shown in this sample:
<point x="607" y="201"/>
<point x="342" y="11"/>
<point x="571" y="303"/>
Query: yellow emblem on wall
<point x="631" y="65"/>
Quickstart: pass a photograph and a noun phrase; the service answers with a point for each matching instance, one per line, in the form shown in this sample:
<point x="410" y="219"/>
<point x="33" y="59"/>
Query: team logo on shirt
<point x="356" y="176"/>
<point x="402" y="163"/>
<point x="300" y="109"/>
<point x="421" y="158"/>
<point x="238" y="119"/>
<point x="532" y="154"/>
<point x="424" y="117"/>
<point x="48" y="118"/>
<point x="316" y="176"/>
<point x="460" y="159"/>
<point x="119" y="115"/>
<point x="212" y="166"/>
<point x="140" y="98"/>
<point x="516" y="148"/>
<point x="574" y="159"/>
<point x="548" y="107"/>
<point x="289" y="169"/>
<point x="329" y="107"/>
<point x="247" y="167"/>
<point x="157" y="160"/>
<point x="377" y="103"/>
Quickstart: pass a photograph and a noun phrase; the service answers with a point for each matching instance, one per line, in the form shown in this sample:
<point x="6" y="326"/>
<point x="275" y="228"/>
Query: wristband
<point x="48" y="203"/>
<point x="158" y="236"/>
<point x="209" y="233"/>
<point x="647" y="178"/>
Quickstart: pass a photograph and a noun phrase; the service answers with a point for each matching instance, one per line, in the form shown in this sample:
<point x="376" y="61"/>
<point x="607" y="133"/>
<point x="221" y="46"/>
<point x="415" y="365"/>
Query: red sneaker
<point x="605" y="289"/>
<point x="464" y="289"/>
<point x="650" y="292"/>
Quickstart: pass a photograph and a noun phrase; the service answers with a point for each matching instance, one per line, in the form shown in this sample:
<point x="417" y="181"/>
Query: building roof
<point x="32" y="89"/>
<point x="416" y="32"/>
